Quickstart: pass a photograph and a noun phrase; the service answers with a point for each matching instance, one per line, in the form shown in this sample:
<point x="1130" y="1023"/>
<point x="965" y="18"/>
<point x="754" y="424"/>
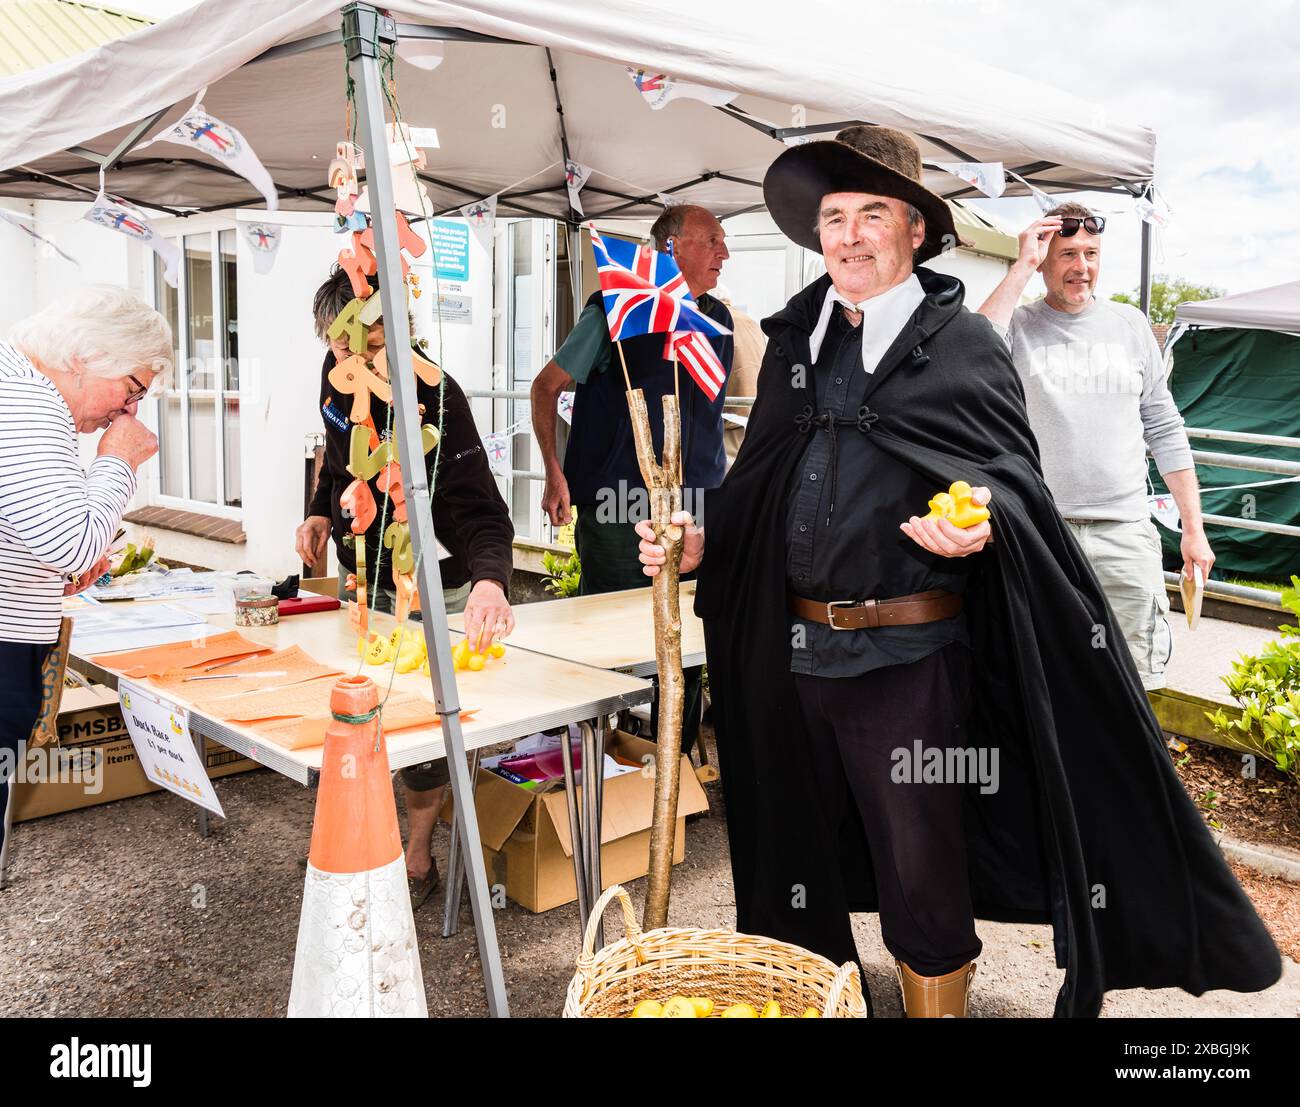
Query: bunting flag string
<point x="22" y="222"/>
<point x="1045" y="202"/>
<point x="987" y="176"/>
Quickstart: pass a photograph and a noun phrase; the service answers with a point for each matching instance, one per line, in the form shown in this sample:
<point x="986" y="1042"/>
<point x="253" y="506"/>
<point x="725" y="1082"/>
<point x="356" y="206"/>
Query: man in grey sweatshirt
<point x="1097" y="401"/>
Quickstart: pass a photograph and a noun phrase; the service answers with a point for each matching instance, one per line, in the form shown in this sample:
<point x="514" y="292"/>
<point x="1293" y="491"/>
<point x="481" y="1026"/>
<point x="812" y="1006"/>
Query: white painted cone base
<point x="357" y="955"/>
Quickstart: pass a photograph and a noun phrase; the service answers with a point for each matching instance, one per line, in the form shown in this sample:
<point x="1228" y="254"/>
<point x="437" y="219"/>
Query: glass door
<point x="523" y="342"/>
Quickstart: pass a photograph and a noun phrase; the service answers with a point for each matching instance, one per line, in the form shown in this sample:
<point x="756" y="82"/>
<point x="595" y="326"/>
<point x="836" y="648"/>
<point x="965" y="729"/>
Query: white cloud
<point x="1218" y="84"/>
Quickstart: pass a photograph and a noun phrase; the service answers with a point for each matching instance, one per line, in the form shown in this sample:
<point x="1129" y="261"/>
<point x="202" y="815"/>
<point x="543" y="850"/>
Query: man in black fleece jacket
<point x="470" y="519"/>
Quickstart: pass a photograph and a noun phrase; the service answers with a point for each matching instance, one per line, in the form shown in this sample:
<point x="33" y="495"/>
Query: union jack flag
<point x="645" y="293"/>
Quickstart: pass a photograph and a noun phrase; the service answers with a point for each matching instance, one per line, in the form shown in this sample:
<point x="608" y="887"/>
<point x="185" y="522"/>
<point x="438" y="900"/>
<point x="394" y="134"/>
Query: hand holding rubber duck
<point x="957" y="524"/>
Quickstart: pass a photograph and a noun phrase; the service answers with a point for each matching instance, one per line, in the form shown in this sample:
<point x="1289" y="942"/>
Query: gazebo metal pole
<point x="1144" y="283"/>
<point x="365" y="29"/>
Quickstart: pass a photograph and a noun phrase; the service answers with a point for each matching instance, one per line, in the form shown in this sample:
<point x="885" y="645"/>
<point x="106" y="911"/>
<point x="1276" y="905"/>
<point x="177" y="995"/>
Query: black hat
<point x="878" y="160"/>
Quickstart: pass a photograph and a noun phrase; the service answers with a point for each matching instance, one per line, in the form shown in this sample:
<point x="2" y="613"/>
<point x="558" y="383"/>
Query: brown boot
<point x="935" y="997"/>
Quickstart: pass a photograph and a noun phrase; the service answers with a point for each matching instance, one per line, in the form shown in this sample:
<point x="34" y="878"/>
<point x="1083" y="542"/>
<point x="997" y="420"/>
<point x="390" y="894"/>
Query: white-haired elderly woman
<point x="81" y="365"/>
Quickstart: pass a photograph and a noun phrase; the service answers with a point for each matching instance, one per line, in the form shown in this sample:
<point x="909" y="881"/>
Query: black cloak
<point x="1090" y="828"/>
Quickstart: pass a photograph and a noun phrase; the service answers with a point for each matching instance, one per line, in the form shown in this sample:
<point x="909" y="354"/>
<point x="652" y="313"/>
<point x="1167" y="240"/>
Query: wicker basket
<point x="724" y="966"/>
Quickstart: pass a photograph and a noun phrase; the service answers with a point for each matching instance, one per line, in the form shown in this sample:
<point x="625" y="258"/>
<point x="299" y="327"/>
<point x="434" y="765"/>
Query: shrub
<point x="1267" y="686"/>
<point x="562" y="575"/>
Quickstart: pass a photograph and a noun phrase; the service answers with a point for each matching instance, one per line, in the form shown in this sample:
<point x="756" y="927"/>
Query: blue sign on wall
<point x="451" y="249"/>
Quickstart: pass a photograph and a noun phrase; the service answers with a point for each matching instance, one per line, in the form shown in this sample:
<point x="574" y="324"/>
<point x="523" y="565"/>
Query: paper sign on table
<point x="160" y="732"/>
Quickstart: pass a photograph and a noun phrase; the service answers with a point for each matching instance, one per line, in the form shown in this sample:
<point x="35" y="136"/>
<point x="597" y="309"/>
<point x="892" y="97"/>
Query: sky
<point x="1218" y="82"/>
<point x="1220" y="85"/>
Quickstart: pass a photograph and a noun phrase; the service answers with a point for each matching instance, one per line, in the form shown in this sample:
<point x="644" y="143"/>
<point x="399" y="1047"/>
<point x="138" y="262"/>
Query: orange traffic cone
<point x="357" y="955"/>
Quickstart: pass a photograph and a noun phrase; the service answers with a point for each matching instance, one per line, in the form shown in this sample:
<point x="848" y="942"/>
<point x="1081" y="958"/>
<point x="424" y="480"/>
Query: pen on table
<point x="236" y="676"/>
<point x="237" y="660"/>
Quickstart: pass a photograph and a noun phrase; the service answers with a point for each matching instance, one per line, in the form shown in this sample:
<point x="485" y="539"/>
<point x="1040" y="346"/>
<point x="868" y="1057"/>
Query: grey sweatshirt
<point x="1097" y="400"/>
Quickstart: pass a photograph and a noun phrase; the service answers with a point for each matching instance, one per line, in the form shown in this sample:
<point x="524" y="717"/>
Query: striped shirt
<point x="56" y="519"/>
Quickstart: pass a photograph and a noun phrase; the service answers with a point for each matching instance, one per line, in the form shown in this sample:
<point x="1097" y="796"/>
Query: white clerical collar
<point x="896" y="303"/>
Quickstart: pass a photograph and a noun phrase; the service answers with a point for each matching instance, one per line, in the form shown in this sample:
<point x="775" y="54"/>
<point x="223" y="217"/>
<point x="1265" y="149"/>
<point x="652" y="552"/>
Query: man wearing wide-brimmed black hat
<point x="910" y="718"/>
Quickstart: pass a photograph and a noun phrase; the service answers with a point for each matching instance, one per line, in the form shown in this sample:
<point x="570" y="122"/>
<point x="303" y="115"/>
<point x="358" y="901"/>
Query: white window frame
<point x="177" y="233"/>
<point x="541" y="247"/>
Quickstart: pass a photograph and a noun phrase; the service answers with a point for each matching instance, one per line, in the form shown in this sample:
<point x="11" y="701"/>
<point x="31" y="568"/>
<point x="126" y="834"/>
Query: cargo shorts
<point x="428" y="775"/>
<point x="1127" y="558"/>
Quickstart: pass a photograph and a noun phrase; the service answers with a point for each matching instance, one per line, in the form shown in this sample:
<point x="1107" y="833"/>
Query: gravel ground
<point x="124" y="910"/>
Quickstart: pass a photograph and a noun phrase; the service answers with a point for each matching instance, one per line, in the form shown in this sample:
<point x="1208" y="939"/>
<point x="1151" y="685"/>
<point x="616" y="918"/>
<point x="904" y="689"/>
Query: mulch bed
<point x="1260" y="811"/>
<point x="1278" y="904"/>
<point x="1264" y="811"/>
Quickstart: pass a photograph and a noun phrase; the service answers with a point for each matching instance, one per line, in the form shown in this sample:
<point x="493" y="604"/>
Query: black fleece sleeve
<point x="469" y="515"/>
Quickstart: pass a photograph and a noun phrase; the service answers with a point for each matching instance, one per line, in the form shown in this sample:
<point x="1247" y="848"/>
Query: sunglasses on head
<point x="1070" y="224"/>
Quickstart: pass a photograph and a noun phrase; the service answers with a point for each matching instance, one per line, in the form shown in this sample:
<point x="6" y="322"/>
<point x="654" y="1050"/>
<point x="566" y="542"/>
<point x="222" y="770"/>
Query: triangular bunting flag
<point x="481" y="216"/>
<point x="575" y="176"/>
<point x="222" y="142"/>
<point x="118" y="215"/>
<point x="658" y="89"/>
<point x="264" y="240"/>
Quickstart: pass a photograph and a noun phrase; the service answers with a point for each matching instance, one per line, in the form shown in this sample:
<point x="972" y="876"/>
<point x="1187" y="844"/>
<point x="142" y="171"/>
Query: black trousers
<point x="20" y="703"/>
<point x="914" y="829"/>
<point x="611" y="563"/>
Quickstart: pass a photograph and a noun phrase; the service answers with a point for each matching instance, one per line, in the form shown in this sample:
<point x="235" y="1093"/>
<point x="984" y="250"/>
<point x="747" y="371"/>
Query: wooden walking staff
<point x="663" y="482"/>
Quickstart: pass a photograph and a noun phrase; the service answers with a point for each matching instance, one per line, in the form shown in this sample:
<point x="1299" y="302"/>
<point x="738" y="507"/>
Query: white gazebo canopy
<point x="1266" y="309"/>
<point x="524" y="84"/>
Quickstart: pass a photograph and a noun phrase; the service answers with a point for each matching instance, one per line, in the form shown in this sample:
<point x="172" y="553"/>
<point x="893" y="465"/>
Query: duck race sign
<point x="160" y="732"/>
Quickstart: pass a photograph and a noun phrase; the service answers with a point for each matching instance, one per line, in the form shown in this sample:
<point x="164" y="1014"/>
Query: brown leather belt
<point x="921" y="607"/>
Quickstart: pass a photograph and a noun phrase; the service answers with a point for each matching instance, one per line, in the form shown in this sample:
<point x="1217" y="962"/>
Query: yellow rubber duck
<point x="679" y="1007"/>
<point x="410" y="657"/>
<point x="379" y="651"/>
<point x="957" y="506"/>
<point x="464" y="656"/>
<point x="647" y="1009"/>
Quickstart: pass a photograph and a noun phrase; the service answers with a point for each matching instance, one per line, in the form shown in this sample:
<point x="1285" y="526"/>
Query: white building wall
<point x="17" y="288"/>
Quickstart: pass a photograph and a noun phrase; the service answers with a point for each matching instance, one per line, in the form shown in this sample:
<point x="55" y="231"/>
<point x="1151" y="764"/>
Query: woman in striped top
<point x="81" y="365"/>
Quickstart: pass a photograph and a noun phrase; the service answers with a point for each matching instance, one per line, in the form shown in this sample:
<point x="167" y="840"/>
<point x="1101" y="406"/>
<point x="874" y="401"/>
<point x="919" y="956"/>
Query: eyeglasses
<point x="138" y="391"/>
<point x="1070" y="224"/>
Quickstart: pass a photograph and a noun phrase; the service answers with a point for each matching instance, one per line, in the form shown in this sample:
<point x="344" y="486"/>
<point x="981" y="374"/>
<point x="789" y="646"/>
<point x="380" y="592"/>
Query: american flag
<point x="645" y="293"/>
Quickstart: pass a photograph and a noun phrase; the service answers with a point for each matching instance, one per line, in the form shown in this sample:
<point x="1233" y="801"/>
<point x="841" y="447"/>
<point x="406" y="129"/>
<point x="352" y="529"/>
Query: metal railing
<point x="1252" y="464"/>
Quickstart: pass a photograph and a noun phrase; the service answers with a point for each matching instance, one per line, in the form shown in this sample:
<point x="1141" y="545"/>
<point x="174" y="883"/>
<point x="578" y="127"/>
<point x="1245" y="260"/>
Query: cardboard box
<point x="93" y="741"/>
<point x="526" y="842"/>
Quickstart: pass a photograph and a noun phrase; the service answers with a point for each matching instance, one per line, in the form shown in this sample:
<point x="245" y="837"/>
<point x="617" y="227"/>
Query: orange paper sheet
<point x="156" y="660"/>
<point x="402" y="711"/>
<point x="311" y="697"/>
<point x="294" y="664"/>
